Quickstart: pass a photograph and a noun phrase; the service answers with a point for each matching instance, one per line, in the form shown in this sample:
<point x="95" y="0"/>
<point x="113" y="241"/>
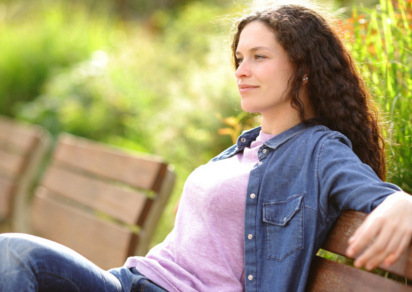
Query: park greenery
<point x="161" y="82"/>
<point x="380" y="40"/>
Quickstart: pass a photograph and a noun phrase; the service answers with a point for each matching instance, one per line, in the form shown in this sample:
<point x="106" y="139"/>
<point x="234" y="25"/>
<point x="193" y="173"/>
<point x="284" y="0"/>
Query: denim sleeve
<point x="344" y="181"/>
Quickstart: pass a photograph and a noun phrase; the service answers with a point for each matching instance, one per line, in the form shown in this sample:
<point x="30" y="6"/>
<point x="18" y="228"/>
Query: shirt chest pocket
<point x="283" y="224"/>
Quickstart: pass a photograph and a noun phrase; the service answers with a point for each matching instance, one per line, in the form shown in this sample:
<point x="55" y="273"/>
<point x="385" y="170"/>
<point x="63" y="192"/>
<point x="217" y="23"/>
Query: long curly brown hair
<point x="335" y="88"/>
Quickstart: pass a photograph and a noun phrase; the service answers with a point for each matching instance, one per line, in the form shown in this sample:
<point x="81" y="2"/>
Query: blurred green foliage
<point x="381" y="41"/>
<point x="160" y="83"/>
<point x="36" y="42"/>
<point x="158" y="93"/>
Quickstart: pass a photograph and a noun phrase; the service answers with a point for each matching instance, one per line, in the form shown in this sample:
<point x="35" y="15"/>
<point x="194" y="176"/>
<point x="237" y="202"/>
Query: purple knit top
<point x="205" y="249"/>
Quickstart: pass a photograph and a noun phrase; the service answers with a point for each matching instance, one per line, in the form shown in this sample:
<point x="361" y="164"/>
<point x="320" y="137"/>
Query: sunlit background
<point x="156" y="75"/>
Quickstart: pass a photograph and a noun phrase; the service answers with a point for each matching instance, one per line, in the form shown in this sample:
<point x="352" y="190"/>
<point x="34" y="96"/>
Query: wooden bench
<point x="22" y="149"/>
<point x="101" y="201"/>
<point x="327" y="275"/>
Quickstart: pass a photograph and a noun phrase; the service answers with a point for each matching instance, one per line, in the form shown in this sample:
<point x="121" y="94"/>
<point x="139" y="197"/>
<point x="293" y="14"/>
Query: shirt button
<point x="243" y="140"/>
<point x="284" y="219"/>
<point x="252" y="195"/>
<point x="260" y="163"/>
<point x="250" y="277"/>
<point x="264" y="150"/>
<point x="250" y="236"/>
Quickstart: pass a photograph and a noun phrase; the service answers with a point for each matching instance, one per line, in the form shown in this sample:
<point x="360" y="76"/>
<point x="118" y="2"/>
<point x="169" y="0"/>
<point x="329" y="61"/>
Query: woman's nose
<point x="242" y="70"/>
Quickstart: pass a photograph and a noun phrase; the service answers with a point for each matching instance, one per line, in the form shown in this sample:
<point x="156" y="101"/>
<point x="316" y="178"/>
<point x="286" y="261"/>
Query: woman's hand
<point x="385" y="234"/>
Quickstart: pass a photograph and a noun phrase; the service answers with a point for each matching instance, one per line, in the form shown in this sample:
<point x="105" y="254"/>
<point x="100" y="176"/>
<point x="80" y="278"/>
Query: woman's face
<point x="264" y="71"/>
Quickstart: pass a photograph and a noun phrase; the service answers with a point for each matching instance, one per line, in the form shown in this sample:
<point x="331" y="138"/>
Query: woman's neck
<point x="275" y="124"/>
<point x="283" y="118"/>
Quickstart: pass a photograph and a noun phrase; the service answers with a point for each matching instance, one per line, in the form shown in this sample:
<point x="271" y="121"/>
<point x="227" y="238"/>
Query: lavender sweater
<point x="205" y="249"/>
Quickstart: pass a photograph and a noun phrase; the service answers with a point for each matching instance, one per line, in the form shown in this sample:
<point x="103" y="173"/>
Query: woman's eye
<point x="258" y="57"/>
<point x="239" y="60"/>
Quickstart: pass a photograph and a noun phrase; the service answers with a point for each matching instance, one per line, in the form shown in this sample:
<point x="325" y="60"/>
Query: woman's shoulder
<point x="324" y="135"/>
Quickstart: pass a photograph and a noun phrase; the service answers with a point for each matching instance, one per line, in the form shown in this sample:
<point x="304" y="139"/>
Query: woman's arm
<point x="385" y="234"/>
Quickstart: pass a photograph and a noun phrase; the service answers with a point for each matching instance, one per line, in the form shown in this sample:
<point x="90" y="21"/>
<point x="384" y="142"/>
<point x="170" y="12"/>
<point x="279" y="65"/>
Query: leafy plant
<point x="381" y="42"/>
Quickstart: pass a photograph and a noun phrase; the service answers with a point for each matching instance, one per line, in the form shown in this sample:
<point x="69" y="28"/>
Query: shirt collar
<point x="249" y="136"/>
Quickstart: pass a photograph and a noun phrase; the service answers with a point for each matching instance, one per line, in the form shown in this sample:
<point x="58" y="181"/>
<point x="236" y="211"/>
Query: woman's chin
<point x="249" y="108"/>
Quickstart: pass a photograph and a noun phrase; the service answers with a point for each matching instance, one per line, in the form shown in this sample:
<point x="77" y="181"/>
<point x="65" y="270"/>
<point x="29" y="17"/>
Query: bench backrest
<point x="101" y="201"/>
<point x="22" y="148"/>
<point x="328" y="275"/>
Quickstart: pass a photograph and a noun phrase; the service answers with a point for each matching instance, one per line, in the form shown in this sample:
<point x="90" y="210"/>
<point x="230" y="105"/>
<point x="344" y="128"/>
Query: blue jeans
<point x="29" y="263"/>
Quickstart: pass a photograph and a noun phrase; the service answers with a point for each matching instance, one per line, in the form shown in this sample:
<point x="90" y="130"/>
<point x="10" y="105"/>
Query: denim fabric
<point x="29" y="263"/>
<point x="304" y="178"/>
<point x="135" y="280"/>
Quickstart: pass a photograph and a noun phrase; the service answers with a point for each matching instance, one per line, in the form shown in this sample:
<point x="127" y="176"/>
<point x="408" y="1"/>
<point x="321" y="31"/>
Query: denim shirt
<point x="304" y="178"/>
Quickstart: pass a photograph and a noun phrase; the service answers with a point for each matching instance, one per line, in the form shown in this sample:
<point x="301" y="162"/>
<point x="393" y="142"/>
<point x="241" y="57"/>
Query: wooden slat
<point x="345" y="227"/>
<point x="16" y="136"/>
<point x="104" y="243"/>
<point x="331" y="276"/>
<point x="110" y="163"/>
<point x="11" y="165"/>
<point x="123" y="204"/>
<point x="6" y="190"/>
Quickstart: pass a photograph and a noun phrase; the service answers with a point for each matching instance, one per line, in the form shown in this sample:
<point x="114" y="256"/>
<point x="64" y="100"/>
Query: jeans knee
<point x="14" y="249"/>
<point x="25" y="254"/>
<point x="15" y="241"/>
<point x="30" y="263"/>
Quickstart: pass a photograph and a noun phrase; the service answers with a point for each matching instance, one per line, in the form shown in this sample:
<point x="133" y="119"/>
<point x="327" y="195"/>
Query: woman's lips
<point x="246" y="87"/>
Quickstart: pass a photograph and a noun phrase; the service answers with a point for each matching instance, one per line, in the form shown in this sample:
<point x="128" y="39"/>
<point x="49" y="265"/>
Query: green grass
<point x="382" y="45"/>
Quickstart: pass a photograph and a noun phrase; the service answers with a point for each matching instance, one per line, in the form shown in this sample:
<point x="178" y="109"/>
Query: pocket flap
<point x="281" y="212"/>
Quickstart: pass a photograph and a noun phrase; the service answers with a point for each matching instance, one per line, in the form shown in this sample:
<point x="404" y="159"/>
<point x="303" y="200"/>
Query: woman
<point x="254" y="216"/>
